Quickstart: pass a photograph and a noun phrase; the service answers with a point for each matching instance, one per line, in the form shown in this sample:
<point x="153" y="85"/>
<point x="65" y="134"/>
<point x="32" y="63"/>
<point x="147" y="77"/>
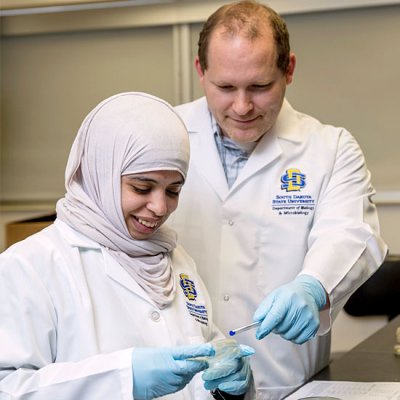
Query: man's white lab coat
<point x="70" y="316"/>
<point x="301" y="204"/>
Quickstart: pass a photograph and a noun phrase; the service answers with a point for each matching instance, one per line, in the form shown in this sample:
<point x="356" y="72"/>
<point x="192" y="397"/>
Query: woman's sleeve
<point x="28" y="347"/>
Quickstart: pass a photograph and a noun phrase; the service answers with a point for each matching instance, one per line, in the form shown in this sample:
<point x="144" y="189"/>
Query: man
<point x="277" y="207"/>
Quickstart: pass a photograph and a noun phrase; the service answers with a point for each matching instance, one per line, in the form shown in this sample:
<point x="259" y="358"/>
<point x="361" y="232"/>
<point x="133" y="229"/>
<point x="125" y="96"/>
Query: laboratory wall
<point x="346" y="75"/>
<point x="51" y="81"/>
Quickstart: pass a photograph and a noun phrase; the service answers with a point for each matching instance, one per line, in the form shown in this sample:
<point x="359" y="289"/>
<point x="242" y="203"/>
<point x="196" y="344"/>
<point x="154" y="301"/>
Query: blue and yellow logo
<point x="187" y="286"/>
<point x="293" y="180"/>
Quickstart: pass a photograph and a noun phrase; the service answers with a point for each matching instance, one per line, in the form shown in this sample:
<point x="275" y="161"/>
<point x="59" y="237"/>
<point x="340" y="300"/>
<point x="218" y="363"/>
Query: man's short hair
<point x="249" y="18"/>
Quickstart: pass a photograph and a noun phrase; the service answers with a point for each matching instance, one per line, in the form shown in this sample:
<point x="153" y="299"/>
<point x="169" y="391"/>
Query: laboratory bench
<point x="373" y="360"/>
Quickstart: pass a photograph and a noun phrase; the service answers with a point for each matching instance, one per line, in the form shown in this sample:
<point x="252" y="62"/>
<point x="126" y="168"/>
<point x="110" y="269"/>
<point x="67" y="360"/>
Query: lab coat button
<point x="230" y="222"/>
<point x="155" y="316"/>
<point x="226" y="297"/>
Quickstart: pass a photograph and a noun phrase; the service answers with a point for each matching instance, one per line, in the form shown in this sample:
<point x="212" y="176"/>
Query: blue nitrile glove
<point x="292" y="310"/>
<point x="232" y="376"/>
<point x="163" y="370"/>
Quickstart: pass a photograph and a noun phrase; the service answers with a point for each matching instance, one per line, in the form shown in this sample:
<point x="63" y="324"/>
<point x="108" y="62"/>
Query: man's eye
<point x="225" y="88"/>
<point x="262" y="87"/>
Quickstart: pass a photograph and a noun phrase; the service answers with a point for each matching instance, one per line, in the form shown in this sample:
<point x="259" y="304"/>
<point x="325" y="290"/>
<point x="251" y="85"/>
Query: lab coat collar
<point x="287" y="124"/>
<point x="74" y="237"/>
<point x="112" y="269"/>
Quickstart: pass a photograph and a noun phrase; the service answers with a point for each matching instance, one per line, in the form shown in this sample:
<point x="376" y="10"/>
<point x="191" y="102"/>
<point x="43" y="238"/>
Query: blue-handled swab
<point x="233" y="332"/>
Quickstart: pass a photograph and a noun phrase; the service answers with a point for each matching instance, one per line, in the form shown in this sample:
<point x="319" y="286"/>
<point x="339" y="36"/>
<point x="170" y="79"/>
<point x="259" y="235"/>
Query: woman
<point x="103" y="304"/>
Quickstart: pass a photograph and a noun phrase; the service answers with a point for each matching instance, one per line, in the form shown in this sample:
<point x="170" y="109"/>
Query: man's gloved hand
<point x="292" y="310"/>
<point x="231" y="376"/>
<point x="160" y="371"/>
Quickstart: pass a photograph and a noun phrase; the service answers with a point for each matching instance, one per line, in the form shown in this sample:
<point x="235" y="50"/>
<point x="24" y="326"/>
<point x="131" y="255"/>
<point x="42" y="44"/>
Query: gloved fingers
<point x="234" y="388"/>
<point x="273" y="318"/>
<point x="191" y="351"/>
<point x="189" y="367"/>
<point x="227" y="366"/>
<point x="290" y="327"/>
<point x="264" y="308"/>
<point x="231" y="368"/>
<point x="172" y="383"/>
<point x="235" y="383"/>
<point x="246" y="351"/>
<point x="237" y="387"/>
<point x="302" y="338"/>
<point x="306" y="334"/>
<point x="295" y="319"/>
<point x="300" y="318"/>
<point x="222" y="369"/>
<point x="211" y="384"/>
<point x="156" y="373"/>
<point x="286" y="325"/>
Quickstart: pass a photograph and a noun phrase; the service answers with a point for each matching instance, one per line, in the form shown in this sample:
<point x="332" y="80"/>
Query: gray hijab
<point x="125" y="134"/>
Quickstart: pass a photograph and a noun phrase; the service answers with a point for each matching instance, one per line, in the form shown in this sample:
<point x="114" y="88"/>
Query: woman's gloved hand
<point x="232" y="375"/>
<point x="292" y="310"/>
<point x="160" y="371"/>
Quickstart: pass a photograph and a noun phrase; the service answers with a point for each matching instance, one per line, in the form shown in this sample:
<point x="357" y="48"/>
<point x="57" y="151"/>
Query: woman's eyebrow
<point x="141" y="178"/>
<point x="147" y="179"/>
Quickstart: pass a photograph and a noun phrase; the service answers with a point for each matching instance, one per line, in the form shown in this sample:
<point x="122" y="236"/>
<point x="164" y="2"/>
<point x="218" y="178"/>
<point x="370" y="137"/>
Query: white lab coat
<point x="256" y="236"/>
<point x="70" y="316"/>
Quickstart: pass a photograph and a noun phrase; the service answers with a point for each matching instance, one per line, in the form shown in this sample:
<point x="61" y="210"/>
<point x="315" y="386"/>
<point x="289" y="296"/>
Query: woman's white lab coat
<point x="301" y="204"/>
<point x="70" y="316"/>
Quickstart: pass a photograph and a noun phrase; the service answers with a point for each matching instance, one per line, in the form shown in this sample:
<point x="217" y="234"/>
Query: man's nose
<point x="242" y="104"/>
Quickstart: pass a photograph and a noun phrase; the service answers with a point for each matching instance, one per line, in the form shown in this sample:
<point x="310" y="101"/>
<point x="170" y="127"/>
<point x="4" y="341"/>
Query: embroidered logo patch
<point x="188" y="287"/>
<point x="198" y="311"/>
<point x="289" y="203"/>
<point x="293" y="180"/>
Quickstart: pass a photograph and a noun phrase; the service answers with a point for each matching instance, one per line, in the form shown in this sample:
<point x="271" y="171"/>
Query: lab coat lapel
<point x="112" y="268"/>
<point x="265" y="153"/>
<point x="269" y="148"/>
<point x="205" y="156"/>
<point x="118" y="274"/>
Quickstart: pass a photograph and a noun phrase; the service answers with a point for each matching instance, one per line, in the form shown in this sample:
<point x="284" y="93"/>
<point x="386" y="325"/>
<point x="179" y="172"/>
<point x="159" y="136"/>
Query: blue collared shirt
<point x="233" y="158"/>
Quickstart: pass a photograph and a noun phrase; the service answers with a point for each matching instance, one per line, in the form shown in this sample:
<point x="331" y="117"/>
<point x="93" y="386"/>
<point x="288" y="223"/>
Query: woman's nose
<point x="158" y="204"/>
<point x="242" y="104"/>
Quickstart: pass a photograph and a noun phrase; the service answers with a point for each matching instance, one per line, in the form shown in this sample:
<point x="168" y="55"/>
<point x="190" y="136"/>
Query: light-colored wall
<point x="346" y="75"/>
<point x="51" y="81"/>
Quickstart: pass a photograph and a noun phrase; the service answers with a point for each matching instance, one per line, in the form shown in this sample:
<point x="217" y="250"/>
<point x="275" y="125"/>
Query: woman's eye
<point x="174" y="191"/>
<point x="140" y="190"/>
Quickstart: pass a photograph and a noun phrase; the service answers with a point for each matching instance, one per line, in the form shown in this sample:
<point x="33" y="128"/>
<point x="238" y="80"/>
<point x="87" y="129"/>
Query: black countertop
<point x="373" y="360"/>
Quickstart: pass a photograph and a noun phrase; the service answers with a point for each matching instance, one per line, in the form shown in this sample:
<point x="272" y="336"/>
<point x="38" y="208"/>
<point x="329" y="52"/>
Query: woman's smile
<point x="148" y="199"/>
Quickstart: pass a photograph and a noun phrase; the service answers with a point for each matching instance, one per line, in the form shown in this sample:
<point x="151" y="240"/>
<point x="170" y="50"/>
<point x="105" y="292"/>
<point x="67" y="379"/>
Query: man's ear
<point x="199" y="70"/>
<point x="290" y="69"/>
